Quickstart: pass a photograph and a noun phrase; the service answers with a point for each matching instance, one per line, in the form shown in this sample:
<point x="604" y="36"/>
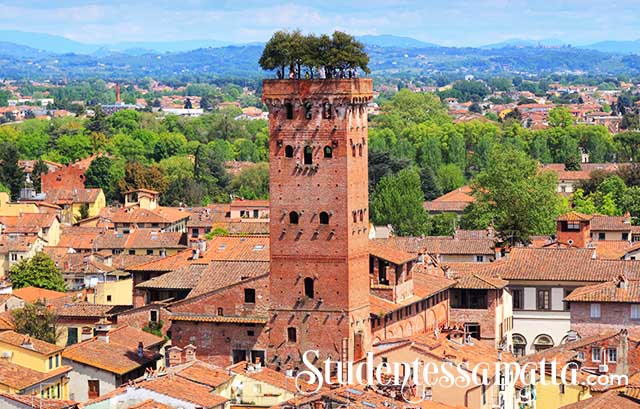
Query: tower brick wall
<point x="319" y="279"/>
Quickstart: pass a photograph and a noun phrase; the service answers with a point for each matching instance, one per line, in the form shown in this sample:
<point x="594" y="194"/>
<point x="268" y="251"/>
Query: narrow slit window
<point x="328" y="152"/>
<point x="289" y="108"/>
<point x="308" y="155"/>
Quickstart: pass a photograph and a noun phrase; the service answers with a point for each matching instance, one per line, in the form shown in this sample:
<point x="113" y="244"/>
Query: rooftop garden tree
<point x="335" y="56"/>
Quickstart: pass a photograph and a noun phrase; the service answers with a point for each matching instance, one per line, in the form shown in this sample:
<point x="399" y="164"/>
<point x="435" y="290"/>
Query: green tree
<point x="39" y="169"/>
<point x="520" y="200"/>
<point x="561" y="117"/>
<point x="429" y="183"/>
<point x="581" y="203"/>
<point x="99" y="175"/>
<point x="36" y="320"/>
<point x="450" y="177"/>
<point x="252" y="183"/>
<point x="138" y="176"/>
<point x="38" y="271"/>
<point x="11" y="175"/>
<point x="398" y="201"/>
<point x="444" y="224"/>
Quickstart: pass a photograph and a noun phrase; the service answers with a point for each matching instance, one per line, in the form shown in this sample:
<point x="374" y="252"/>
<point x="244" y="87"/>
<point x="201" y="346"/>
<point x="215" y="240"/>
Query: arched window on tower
<point x="288" y="151"/>
<point x="326" y="110"/>
<point x="360" y="149"/>
<point x="292" y="334"/>
<point x="308" y="155"/>
<point x="293" y="218"/>
<point x="220" y="311"/>
<point x="328" y="152"/>
<point x="324" y="218"/>
<point x="289" y="107"/>
<point x="308" y="287"/>
<point x="308" y="110"/>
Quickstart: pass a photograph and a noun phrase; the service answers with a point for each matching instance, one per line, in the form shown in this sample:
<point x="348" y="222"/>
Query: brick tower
<point x="319" y="279"/>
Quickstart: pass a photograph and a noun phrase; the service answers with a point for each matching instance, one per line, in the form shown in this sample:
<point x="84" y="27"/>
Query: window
<point x="94" y="388"/>
<point x="561" y="386"/>
<point x="612" y="355"/>
<point x="249" y="296"/>
<point x="602" y="236"/>
<point x="256" y="213"/>
<point x="625" y="236"/>
<point x="567" y="292"/>
<point x="288" y="151"/>
<point x="517" y="296"/>
<point x="544" y="299"/>
<point x="575" y="226"/>
<point x="596" y="354"/>
<point x="328" y="152"/>
<point x="360" y="149"/>
<point x="594" y="311"/>
<point x="257" y="389"/>
<point x="149" y="252"/>
<point x="581" y="355"/>
<point x="293" y="218"/>
<point x="251" y="333"/>
<point x="324" y="218"/>
<point x="72" y="335"/>
<point x="108" y="298"/>
<point x="480" y="259"/>
<point x="308" y="287"/>
<point x="542" y="342"/>
<point x="519" y="345"/>
<point x="308" y="155"/>
<point x="469" y="299"/>
<point x="635" y="311"/>
<point x="220" y="311"/>
<point x="308" y="110"/>
<point x="153" y="316"/>
<point x="195" y="233"/>
<point x="473" y="330"/>
<point x="50" y="362"/>
<point x="289" y="107"/>
<point x="57" y="360"/>
<point x="292" y="335"/>
<point x="132" y="252"/>
<point x="14" y="257"/>
<point x="326" y="110"/>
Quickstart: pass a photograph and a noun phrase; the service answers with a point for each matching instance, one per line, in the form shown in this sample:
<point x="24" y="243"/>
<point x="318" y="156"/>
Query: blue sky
<point x="452" y="22"/>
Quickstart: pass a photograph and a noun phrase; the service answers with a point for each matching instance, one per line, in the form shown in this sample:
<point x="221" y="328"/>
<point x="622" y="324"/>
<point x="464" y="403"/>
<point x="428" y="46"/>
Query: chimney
<point x="103" y="327"/>
<point x="622" y="364"/>
<point x="87" y="333"/>
<point x="27" y="343"/>
<point x="140" y="349"/>
<point x="190" y="353"/>
<point x="174" y="356"/>
<point x="118" y="99"/>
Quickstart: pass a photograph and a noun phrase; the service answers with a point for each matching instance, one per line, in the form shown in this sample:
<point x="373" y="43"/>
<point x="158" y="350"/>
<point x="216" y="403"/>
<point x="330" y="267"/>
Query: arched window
<point x="292" y="334"/>
<point x="220" y="311"/>
<point x="324" y="218"/>
<point x="308" y="155"/>
<point x="308" y="287"/>
<point x="519" y="345"/>
<point x="288" y="151"/>
<point x="361" y="215"/>
<point x="293" y="218"/>
<point x="542" y="342"/>
<point x="326" y="110"/>
<point x="289" y="107"/>
<point x="353" y="150"/>
<point x="360" y="149"/>
<point x="308" y="110"/>
<point x="328" y="152"/>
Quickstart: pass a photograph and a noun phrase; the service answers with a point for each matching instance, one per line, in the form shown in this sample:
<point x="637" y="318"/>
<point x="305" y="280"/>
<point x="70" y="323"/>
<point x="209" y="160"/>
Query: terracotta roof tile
<point x="610" y="291"/>
<point x="228" y="319"/>
<point x="85" y="310"/>
<point x="610" y="223"/>
<point x="575" y="217"/>
<point x="204" y="374"/>
<point x="19" y="377"/>
<point x="390" y="253"/>
<point x="30" y="343"/>
<point x="478" y="281"/>
<point x="266" y="375"/>
<point x="221" y="274"/>
<point x="139" y="239"/>
<point x="33" y="294"/>
<point x="132" y="215"/>
<point x="613" y="399"/>
<point x="183" y="389"/>
<point x="185" y="278"/>
<point x="150" y="404"/>
<point x="36" y="402"/>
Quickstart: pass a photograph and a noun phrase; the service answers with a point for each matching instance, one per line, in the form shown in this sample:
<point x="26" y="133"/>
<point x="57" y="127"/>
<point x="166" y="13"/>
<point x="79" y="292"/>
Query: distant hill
<point x="386" y="40"/>
<point x="518" y="42"/>
<point x="617" y="47"/>
<point x="48" y="42"/>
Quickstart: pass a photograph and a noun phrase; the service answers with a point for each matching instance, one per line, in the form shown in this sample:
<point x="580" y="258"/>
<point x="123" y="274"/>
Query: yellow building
<point x="118" y="292"/>
<point x="14" y="209"/>
<point x="76" y="201"/>
<point x="257" y="386"/>
<point x="31" y="366"/>
<point x="548" y="395"/>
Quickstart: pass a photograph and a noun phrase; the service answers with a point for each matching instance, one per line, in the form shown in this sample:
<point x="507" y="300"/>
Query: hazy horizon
<point x="459" y="23"/>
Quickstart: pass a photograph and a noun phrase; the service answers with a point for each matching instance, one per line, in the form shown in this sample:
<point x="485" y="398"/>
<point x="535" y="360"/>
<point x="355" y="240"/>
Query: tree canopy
<point x="36" y="320"/>
<point x="38" y="271"/>
<point x="332" y="56"/>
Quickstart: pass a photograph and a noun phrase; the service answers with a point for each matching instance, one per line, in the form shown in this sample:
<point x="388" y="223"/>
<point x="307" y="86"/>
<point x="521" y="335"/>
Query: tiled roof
<point x="183" y="278"/>
<point x="132" y="215"/>
<point x="130" y="336"/>
<point x="249" y="203"/>
<point x="456" y="200"/>
<point x="390" y="253"/>
<point x="28" y="222"/>
<point x="79" y="238"/>
<point x="30" y="343"/>
<point x="33" y="294"/>
<point x="113" y="356"/>
<point x="610" y="291"/>
<point x="183" y="389"/>
<point x="89" y="310"/>
<point x="574" y="217"/>
<point x="245" y="228"/>
<point x="573" y="175"/>
<point x="140" y="239"/>
<point x="169" y="263"/>
<point x="424" y="286"/>
<point x="150" y="404"/>
<point x="612" y="249"/>
<point x="204" y="374"/>
<point x="559" y="264"/>
<point x="221" y="274"/>
<point x="227" y="319"/>
<point x="19" y="377"/>
<point x="67" y="196"/>
<point x="610" y="223"/>
<point x="266" y="375"/>
<point x="613" y="399"/>
<point x="442" y="245"/>
<point x="36" y="402"/>
<point x="480" y="282"/>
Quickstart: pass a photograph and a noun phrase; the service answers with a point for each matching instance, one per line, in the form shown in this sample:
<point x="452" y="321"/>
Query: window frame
<point x="593" y="307"/>
<point x="546" y="299"/>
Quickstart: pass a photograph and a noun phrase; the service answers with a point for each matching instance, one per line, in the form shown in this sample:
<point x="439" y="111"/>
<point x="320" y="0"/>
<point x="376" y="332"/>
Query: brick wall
<point x="613" y="316"/>
<point x="485" y="317"/>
